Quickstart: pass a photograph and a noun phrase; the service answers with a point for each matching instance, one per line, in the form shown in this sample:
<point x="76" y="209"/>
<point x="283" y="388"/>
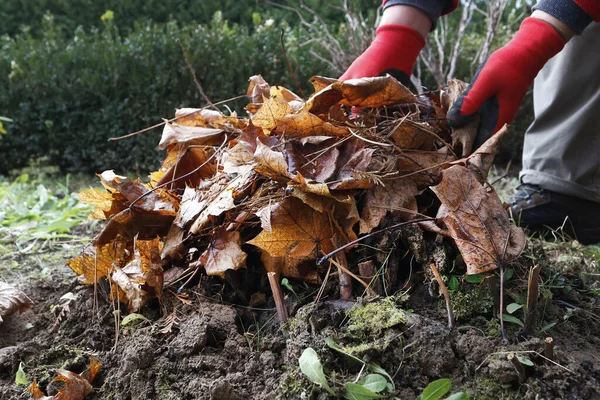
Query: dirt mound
<point x="218" y="351"/>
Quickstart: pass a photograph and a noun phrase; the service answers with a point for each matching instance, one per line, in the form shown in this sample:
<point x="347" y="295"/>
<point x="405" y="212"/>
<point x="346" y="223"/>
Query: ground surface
<point x="212" y="345"/>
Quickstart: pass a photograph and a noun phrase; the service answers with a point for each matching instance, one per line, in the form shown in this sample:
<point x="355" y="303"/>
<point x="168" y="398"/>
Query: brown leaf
<point x="481" y="160"/>
<point x="363" y="93"/>
<point x="397" y="197"/>
<point x="221" y="198"/>
<point x="224" y="253"/>
<point x="270" y="163"/>
<point x="144" y="271"/>
<point x="12" y="300"/>
<point x="258" y="89"/>
<point x="304" y="123"/>
<point x="75" y="387"/>
<point x="188" y="160"/>
<point x="97" y="262"/>
<point x="477" y="221"/>
<point x="297" y="231"/>
<point x="209" y="119"/>
<point x="270" y="113"/>
<point x="414" y="135"/>
<point x="174" y="133"/>
<point x="351" y="174"/>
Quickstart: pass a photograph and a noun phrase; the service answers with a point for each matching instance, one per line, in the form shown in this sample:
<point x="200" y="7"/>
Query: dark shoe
<point x="542" y="210"/>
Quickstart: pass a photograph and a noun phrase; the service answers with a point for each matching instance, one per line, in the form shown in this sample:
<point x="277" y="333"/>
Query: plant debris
<point x="293" y="182"/>
<point x="12" y="300"/>
<point x="75" y="386"/>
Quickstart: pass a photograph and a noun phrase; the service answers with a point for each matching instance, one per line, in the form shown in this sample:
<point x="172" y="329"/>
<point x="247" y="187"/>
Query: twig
<point x="440" y="282"/>
<point x="189" y="65"/>
<point x="502" y="304"/>
<point x="282" y="312"/>
<point x="360" y="239"/>
<point x="289" y="66"/>
<point x="322" y="288"/>
<point x="532" y="299"/>
<point x="352" y="274"/>
<point x="173" y="119"/>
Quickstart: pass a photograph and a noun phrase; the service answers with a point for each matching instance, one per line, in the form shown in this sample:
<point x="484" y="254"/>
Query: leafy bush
<point x="19" y="15"/>
<point x="68" y="95"/>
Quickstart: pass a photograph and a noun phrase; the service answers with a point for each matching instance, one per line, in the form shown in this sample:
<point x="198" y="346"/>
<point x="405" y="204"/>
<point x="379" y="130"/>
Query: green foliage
<point x="436" y="389"/>
<point x="20" y="15"/>
<point x="31" y="214"/>
<point x="365" y="388"/>
<point x="68" y="95"/>
<point x="310" y="365"/>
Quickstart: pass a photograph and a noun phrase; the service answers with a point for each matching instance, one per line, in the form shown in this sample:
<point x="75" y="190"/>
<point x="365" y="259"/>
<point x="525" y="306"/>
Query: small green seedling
<point x="436" y="389"/>
<point x="21" y="377"/>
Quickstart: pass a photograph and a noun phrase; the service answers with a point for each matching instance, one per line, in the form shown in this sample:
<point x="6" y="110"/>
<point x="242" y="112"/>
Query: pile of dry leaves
<point x="294" y="181"/>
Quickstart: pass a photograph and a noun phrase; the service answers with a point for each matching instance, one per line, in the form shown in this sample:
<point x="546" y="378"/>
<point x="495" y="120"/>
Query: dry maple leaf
<point x="12" y="300"/>
<point x="364" y="92"/>
<point x="270" y="163"/>
<point x="397" y="196"/>
<point x="224" y="253"/>
<point x="142" y="273"/>
<point x="297" y="231"/>
<point x="477" y="221"/>
<point x="75" y="386"/>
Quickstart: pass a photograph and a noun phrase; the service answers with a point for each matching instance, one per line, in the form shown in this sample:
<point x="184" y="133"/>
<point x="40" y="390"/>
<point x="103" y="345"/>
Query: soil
<point x="208" y="344"/>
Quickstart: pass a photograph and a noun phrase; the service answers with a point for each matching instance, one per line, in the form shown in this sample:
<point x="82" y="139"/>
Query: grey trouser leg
<point x="562" y="146"/>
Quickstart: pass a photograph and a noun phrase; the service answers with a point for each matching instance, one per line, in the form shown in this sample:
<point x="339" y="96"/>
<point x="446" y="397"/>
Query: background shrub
<point x="68" y="94"/>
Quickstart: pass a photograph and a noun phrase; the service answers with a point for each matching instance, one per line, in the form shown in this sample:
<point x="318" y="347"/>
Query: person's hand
<point x="394" y="51"/>
<point x="501" y="82"/>
<point x="399" y="40"/>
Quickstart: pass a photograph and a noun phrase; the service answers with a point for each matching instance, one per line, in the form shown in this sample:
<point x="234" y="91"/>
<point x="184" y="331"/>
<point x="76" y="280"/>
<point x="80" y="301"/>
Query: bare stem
<point x="549" y="349"/>
<point x="532" y="299"/>
<point x="518" y="366"/>
<point x="440" y="281"/>
<point x="282" y="312"/>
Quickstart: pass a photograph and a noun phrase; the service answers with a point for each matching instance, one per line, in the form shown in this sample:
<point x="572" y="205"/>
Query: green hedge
<point x="68" y="95"/>
<point x="19" y="15"/>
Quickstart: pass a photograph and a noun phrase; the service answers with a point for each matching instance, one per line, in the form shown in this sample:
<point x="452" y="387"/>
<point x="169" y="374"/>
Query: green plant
<point x="68" y="94"/>
<point x="34" y="217"/>
<point x="370" y="386"/>
<point x="436" y="389"/>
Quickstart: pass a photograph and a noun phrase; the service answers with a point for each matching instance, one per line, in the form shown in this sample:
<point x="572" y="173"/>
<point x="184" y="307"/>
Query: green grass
<point x="39" y="211"/>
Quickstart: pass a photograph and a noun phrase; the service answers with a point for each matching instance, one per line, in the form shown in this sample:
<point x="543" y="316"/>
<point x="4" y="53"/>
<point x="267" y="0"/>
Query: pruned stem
<point x="345" y="279"/>
<point x="440" y="282"/>
<point x="518" y="366"/>
<point x="282" y="312"/>
<point x="549" y="348"/>
<point x="532" y="299"/>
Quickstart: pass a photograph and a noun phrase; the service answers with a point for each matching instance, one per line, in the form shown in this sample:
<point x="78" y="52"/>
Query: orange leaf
<point x="478" y="222"/>
<point x="297" y="231"/>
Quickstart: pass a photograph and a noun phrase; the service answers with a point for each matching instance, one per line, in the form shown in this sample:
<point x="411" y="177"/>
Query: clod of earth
<point x="294" y="181"/>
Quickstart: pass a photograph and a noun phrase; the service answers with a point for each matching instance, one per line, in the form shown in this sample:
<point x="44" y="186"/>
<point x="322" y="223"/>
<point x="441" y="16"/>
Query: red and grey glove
<point x="394" y="51"/>
<point x="501" y="82"/>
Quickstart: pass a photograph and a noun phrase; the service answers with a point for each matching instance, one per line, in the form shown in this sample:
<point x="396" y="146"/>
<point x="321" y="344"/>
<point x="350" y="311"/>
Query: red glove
<point x="394" y="51"/>
<point x="501" y="82"/>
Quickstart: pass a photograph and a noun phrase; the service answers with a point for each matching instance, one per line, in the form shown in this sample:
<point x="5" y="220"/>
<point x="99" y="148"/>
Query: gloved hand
<point x="501" y="82"/>
<point x="394" y="51"/>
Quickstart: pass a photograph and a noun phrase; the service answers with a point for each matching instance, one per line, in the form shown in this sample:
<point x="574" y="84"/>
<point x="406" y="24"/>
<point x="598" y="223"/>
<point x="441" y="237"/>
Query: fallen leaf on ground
<point x="75" y="386"/>
<point x="12" y="300"/>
